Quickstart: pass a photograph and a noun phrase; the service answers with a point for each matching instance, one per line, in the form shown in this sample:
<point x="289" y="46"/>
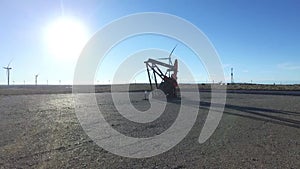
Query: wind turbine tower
<point x="36" y="77"/>
<point x="8" y="72"/>
<point x="232" y="81"/>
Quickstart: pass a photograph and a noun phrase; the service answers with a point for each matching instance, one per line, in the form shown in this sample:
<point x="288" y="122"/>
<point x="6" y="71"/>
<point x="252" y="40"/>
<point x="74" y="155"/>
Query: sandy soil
<point x="256" y="131"/>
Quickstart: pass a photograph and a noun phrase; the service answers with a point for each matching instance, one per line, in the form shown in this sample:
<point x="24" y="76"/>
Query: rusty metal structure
<point x="168" y="84"/>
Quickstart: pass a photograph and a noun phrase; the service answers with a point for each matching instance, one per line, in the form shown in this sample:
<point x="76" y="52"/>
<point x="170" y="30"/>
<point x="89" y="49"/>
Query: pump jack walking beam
<point x="151" y="63"/>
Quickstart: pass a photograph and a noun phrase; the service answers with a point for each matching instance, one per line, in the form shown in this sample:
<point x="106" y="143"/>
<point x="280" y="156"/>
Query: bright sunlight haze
<point x="65" y="38"/>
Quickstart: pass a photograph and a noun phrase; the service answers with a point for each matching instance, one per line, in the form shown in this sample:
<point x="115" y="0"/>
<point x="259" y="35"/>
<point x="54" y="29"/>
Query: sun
<point x="65" y="38"/>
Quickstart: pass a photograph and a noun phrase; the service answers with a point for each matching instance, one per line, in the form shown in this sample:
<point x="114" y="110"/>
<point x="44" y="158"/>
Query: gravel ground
<point x="256" y="131"/>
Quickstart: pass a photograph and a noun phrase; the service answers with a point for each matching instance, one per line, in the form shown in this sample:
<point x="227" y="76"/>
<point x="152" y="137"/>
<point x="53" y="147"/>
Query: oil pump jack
<point x="168" y="82"/>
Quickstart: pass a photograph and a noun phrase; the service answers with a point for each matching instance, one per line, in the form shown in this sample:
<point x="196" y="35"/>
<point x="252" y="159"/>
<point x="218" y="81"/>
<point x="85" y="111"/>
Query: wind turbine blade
<point x="10" y="62"/>
<point x="172" y="51"/>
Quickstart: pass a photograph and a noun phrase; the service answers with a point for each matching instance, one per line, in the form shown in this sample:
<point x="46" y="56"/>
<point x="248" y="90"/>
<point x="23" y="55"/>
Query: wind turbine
<point x="8" y="71"/>
<point x="169" y="58"/>
<point x="36" y="76"/>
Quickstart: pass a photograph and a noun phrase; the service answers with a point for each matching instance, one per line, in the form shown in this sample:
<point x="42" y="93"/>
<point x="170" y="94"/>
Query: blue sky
<point x="260" y="39"/>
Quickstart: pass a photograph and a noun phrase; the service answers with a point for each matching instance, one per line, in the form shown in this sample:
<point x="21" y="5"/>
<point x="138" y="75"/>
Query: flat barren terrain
<point x="257" y="130"/>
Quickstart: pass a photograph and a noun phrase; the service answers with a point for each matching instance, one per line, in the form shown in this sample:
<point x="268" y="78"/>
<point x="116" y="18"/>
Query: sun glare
<point x="65" y="38"/>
